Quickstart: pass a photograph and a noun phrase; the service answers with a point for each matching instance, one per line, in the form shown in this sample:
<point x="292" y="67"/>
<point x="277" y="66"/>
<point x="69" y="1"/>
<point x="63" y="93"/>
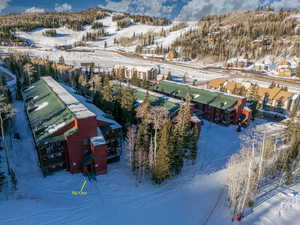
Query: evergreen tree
<point x="61" y="60"/>
<point x="161" y="170"/>
<point x="169" y="77"/>
<point x="127" y="102"/>
<point x="178" y="141"/>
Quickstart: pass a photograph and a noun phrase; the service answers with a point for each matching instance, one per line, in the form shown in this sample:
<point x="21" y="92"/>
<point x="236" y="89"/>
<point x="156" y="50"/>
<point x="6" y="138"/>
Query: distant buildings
<point x="284" y="69"/>
<point x="215" y="106"/>
<point x="69" y="133"/>
<point x="172" y="54"/>
<point x="56" y="66"/>
<point x="141" y="72"/>
<point x="271" y="99"/>
<point x="238" y="62"/>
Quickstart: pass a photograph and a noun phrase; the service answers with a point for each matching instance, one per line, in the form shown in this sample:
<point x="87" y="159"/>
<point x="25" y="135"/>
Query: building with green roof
<point x="171" y="105"/>
<point x="65" y="129"/>
<point x="213" y="105"/>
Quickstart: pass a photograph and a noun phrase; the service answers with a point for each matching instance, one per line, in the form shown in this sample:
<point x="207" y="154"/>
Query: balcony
<point x="49" y="162"/>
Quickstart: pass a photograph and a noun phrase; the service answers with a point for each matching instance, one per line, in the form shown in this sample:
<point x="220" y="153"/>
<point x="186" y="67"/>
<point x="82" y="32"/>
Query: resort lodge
<point x="69" y="133"/>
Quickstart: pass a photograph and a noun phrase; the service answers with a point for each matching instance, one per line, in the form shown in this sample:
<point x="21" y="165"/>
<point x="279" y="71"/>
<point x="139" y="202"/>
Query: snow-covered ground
<point x="67" y="36"/>
<point x="107" y="59"/>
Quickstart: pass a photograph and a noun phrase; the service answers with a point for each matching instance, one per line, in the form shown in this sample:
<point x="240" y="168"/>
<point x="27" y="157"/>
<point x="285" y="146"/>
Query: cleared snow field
<point x="67" y="36"/>
<point x="64" y="36"/>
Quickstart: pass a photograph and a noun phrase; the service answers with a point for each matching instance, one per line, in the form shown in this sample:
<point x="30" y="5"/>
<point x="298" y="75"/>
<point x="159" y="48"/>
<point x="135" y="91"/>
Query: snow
<point x="11" y="82"/>
<point x="29" y="88"/>
<point x="67" y="36"/>
<point x="100" y="115"/>
<point x="79" y="110"/>
<point x="64" y="36"/>
<point x="54" y="128"/>
<point x="99" y="139"/>
<point x="41" y="106"/>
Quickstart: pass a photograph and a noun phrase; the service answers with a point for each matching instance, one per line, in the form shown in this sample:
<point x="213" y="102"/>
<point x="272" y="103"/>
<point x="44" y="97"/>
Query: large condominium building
<point x="69" y="132"/>
<point x="170" y="104"/>
<point x="141" y="72"/>
<point x="272" y="99"/>
<point x="213" y="105"/>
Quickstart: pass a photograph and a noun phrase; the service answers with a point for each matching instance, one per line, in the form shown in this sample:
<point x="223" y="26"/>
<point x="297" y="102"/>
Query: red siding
<point x="87" y="128"/>
<point x="100" y="162"/>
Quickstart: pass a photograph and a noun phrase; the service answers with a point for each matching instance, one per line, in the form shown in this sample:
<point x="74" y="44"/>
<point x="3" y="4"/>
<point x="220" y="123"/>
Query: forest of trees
<point x="148" y="20"/>
<point x="251" y="35"/>
<point x="146" y="39"/>
<point x="259" y="163"/>
<point x="6" y="114"/>
<point x="50" y="33"/>
<point x="97" y="25"/>
<point x="94" y="36"/>
<point x="159" y="145"/>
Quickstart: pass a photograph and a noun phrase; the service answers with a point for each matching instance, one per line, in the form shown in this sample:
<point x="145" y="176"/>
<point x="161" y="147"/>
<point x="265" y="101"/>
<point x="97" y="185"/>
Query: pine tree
<point x="192" y="146"/>
<point x="61" y="60"/>
<point x="161" y="170"/>
<point x="29" y="70"/>
<point x="126" y="103"/>
<point x="178" y="141"/>
<point x="169" y="77"/>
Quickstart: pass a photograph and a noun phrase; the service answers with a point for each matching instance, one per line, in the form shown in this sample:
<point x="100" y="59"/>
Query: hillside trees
<point x="163" y="141"/>
<point x="50" y="33"/>
<point x="260" y="161"/>
<point x="94" y="36"/>
<point x="253" y="37"/>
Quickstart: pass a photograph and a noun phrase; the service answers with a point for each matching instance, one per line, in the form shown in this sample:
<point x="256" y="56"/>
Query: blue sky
<point x="174" y="9"/>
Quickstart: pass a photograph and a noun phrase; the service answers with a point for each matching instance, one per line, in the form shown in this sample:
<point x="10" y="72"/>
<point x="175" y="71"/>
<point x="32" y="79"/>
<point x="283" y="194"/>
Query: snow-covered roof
<point x="99" y="139"/>
<point x="170" y="99"/>
<point x="100" y="115"/>
<point x="75" y="106"/>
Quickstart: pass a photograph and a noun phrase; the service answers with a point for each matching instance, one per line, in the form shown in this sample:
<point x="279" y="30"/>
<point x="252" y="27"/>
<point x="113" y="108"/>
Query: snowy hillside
<point x="67" y="36"/>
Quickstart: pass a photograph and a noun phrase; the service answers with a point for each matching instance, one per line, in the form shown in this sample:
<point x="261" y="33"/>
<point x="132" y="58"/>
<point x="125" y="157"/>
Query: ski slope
<point x="67" y="36"/>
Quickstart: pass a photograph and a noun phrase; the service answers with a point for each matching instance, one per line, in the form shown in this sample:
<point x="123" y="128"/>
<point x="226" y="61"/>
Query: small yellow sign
<point x="81" y="192"/>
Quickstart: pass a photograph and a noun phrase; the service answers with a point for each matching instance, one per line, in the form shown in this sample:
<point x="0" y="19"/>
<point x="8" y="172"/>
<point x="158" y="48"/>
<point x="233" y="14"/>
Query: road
<point x="233" y="73"/>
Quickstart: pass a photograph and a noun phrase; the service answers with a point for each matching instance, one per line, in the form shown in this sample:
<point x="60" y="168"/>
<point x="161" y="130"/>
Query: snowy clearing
<point x="67" y="36"/>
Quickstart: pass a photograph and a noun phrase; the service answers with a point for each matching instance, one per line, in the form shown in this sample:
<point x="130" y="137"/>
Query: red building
<point x="68" y="131"/>
<point x="212" y="105"/>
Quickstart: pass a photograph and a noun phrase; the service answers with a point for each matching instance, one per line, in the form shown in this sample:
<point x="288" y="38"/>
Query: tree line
<point x="251" y="35"/>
